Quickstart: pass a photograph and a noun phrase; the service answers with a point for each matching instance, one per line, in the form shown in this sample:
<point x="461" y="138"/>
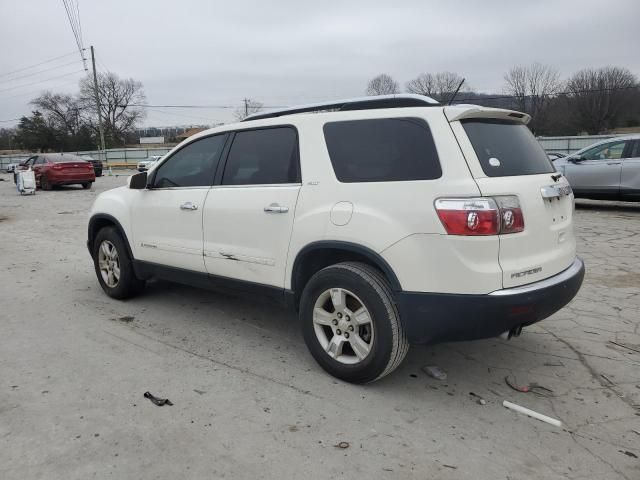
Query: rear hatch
<point x="506" y="160"/>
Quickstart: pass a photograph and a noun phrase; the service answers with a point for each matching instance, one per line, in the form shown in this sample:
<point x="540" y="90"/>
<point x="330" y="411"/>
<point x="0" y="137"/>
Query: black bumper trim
<point x="445" y="317"/>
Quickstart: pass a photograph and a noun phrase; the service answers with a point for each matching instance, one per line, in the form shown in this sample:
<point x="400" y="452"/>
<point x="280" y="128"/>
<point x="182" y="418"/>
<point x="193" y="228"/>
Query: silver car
<point x="608" y="170"/>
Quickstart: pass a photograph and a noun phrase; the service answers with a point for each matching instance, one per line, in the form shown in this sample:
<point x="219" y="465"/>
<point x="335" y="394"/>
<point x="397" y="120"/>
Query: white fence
<point x="570" y="144"/>
<point x="124" y="157"/>
<point x="120" y="157"/>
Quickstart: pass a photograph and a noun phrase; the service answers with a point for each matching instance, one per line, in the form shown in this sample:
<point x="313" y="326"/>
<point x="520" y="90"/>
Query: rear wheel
<point x="113" y="265"/>
<point x="350" y="323"/>
<point x="86" y="185"/>
<point x="44" y="183"/>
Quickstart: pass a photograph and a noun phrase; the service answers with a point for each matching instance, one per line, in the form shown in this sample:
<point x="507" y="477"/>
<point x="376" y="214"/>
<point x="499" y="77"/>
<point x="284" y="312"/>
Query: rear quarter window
<point x="382" y="150"/>
<point x="506" y="148"/>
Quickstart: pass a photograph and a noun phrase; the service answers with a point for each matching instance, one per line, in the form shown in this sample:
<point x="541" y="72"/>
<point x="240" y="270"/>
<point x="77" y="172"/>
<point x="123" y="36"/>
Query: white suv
<point x="384" y="221"/>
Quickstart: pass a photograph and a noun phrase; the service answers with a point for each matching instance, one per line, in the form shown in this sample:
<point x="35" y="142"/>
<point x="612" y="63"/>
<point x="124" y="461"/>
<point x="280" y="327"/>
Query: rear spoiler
<point x="460" y="112"/>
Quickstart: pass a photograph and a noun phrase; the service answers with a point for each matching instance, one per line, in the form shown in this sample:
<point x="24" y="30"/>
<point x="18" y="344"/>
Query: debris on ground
<point x="479" y="399"/>
<point x="607" y="379"/>
<point x="628" y="453"/>
<point x="531" y="413"/>
<point x="532" y="387"/>
<point x="199" y="392"/>
<point x="450" y="466"/>
<point x="553" y="364"/>
<point x="342" y="445"/>
<point x="156" y="400"/>
<point x="125" y="319"/>
<point x="435" y="372"/>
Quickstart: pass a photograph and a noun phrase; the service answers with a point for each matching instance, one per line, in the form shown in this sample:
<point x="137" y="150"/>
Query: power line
<point x="37" y="64"/>
<point x="74" y="22"/>
<point x="11" y="120"/>
<point x="33" y="92"/>
<point x="39" y="71"/>
<point x="41" y="81"/>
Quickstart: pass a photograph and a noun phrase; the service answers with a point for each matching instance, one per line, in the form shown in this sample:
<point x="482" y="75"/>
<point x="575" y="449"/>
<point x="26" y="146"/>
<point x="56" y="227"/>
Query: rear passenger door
<point x="248" y="215"/>
<point x="630" y="180"/>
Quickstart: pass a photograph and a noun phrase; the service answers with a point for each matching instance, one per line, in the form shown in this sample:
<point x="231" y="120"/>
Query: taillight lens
<point x="89" y="165"/>
<point x="481" y="215"/>
<point x="511" y="218"/>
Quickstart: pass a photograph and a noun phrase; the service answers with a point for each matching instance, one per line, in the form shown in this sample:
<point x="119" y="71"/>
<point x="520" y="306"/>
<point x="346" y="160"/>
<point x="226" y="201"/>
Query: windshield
<point x="506" y="148"/>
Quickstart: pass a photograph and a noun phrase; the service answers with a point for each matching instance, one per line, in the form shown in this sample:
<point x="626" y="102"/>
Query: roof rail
<point x="361" y="103"/>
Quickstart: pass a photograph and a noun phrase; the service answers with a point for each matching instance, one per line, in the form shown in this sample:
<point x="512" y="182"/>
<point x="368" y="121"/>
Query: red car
<point x="53" y="169"/>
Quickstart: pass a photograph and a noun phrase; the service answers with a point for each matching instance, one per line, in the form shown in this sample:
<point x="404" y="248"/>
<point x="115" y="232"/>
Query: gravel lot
<point x="249" y="401"/>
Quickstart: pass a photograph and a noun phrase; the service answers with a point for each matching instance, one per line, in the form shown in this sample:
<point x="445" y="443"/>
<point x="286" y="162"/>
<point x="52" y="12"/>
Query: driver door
<point x="598" y="173"/>
<point x="167" y="216"/>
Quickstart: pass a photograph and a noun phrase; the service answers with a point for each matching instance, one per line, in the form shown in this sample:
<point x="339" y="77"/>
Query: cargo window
<point x="382" y="150"/>
<point x="506" y="148"/>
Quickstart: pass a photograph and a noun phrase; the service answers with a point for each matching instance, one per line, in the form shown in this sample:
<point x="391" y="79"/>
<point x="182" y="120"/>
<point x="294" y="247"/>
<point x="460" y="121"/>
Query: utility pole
<point x="246" y="107"/>
<point x="95" y="90"/>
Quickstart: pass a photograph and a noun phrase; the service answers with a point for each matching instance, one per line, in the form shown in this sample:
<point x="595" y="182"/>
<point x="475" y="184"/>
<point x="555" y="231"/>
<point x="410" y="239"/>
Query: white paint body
<point x="231" y="235"/>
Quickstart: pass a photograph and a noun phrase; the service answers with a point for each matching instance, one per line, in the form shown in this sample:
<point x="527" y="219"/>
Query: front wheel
<point x="113" y="265"/>
<point x="86" y="185"/>
<point x="350" y="323"/>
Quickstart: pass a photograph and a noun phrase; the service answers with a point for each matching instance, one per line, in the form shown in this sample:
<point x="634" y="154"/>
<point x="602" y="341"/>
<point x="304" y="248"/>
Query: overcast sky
<point x="290" y="52"/>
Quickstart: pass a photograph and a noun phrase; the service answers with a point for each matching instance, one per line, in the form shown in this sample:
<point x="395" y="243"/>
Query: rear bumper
<point x="443" y="317"/>
<point x="62" y="179"/>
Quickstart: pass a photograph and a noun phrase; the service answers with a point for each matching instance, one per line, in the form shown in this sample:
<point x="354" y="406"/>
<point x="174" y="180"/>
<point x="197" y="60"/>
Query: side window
<point x="192" y="165"/>
<point x="263" y="157"/>
<point x="636" y="149"/>
<point x="382" y="150"/>
<point x="39" y="161"/>
<point x="607" y="151"/>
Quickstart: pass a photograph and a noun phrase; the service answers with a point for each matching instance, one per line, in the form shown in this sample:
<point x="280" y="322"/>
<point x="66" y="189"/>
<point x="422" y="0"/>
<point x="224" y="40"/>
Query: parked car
<point x="388" y="221"/>
<point x="97" y="164"/>
<point x="145" y="165"/>
<point x="555" y="155"/>
<point x="11" y="167"/>
<point x="607" y="170"/>
<point x="53" y="169"/>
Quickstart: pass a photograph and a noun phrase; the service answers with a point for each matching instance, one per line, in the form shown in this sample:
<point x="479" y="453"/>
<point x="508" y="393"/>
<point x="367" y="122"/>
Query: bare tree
<point x="532" y="88"/>
<point x="440" y="86"/>
<point x="249" y="108"/>
<point x="383" y="84"/>
<point x="600" y="97"/>
<point x="63" y="111"/>
<point x="120" y="104"/>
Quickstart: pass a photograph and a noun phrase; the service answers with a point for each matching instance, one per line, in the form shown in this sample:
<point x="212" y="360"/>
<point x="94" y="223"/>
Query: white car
<point x="388" y="221"/>
<point x="145" y="165"/>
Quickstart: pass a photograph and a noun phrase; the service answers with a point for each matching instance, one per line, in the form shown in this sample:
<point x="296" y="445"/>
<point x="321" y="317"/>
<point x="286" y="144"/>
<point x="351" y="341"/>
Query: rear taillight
<point x="511" y="218"/>
<point x="88" y="165"/>
<point x="481" y="215"/>
<point x="56" y="166"/>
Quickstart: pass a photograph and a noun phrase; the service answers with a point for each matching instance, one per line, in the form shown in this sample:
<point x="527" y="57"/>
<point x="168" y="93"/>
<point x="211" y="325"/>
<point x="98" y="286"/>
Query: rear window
<point x="506" y="148"/>
<point x="64" y="158"/>
<point x="382" y="150"/>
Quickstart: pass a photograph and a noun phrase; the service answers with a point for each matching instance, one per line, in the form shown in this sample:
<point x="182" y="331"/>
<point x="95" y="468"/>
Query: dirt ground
<point x="249" y="401"/>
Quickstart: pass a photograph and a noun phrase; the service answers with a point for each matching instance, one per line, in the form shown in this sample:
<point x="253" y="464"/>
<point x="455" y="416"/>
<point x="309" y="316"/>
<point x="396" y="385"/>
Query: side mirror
<point x="138" y="181"/>
<point x="577" y="159"/>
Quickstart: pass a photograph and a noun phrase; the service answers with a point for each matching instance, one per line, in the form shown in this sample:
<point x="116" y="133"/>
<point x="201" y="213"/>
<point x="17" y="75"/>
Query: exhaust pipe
<point x="514" y="332"/>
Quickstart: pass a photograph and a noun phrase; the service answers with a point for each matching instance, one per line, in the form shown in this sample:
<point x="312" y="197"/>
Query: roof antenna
<point x="456" y="92"/>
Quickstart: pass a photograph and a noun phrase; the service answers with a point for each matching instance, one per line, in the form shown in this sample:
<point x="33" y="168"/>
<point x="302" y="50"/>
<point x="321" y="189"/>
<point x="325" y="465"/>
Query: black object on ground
<point x="157" y="401"/>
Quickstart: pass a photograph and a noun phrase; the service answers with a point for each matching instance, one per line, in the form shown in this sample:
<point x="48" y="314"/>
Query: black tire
<point x="87" y="185"/>
<point x="389" y="345"/>
<point x="128" y="284"/>
<point x="44" y="183"/>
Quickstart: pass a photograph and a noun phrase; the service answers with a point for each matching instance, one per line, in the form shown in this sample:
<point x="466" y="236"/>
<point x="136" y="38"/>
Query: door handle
<point x="275" y="208"/>
<point x="614" y="163"/>
<point x="188" y="206"/>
